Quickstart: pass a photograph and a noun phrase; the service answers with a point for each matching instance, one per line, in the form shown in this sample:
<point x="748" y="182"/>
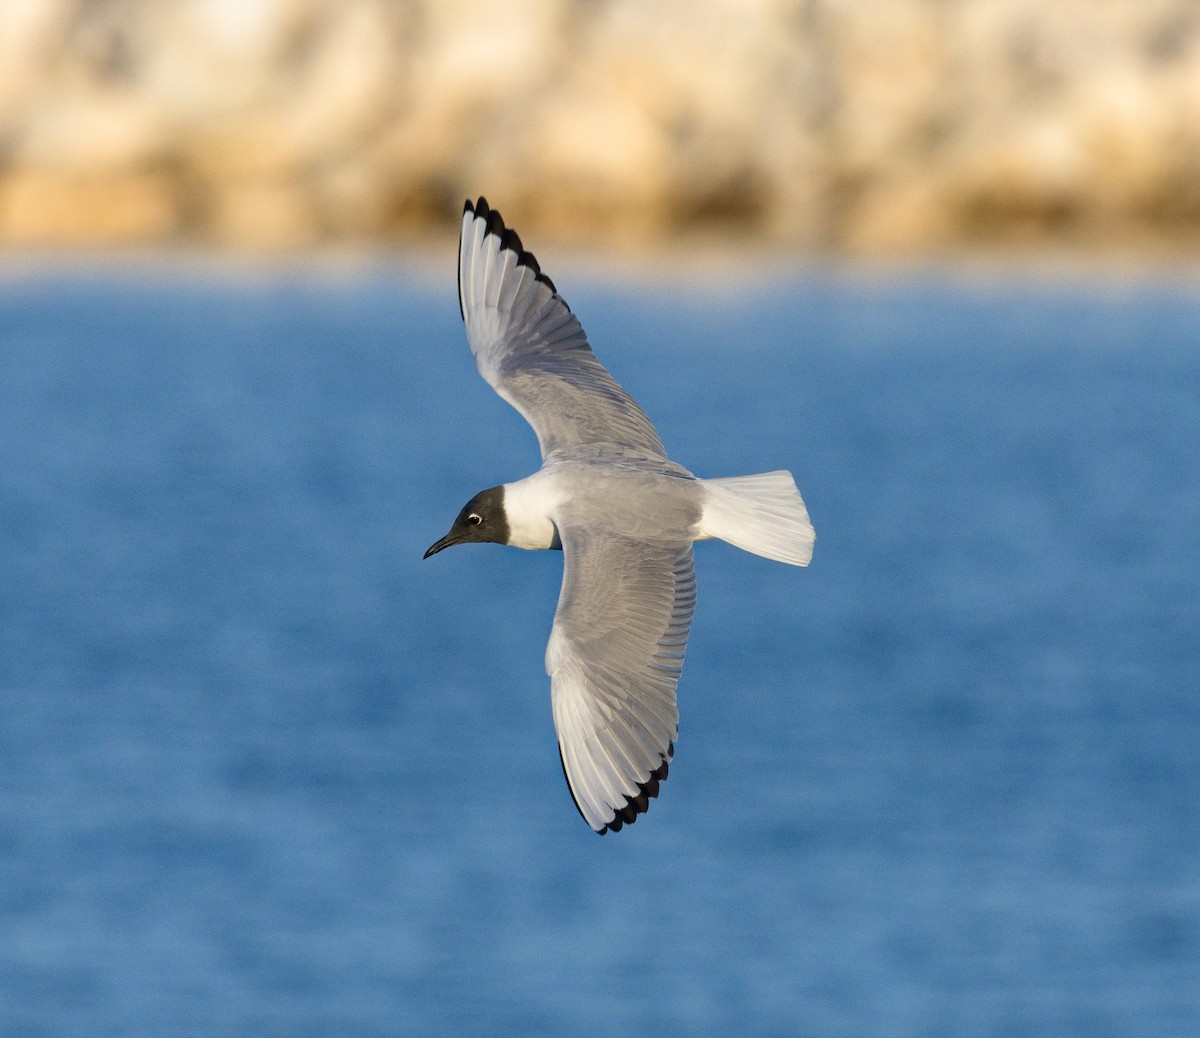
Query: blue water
<point x="265" y="772"/>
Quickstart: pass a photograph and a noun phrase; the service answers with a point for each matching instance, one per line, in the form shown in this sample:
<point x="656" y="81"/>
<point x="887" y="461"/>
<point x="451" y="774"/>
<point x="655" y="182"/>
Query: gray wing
<point x="531" y="349"/>
<point x="614" y="658"/>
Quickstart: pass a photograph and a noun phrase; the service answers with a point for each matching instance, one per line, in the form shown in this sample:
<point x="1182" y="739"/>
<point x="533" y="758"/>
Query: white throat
<point x="528" y="504"/>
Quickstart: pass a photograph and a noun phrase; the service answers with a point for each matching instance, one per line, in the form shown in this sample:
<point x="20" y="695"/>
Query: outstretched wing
<point x="614" y="658"/>
<point x="530" y="347"/>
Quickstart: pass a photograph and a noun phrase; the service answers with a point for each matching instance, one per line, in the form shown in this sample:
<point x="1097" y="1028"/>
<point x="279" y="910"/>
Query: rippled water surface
<point x="265" y="772"/>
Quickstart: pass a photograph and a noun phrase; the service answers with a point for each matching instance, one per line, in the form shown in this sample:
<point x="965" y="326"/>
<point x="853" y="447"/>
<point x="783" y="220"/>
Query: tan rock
<point x="31" y="35"/>
<point x="203" y="60"/>
<point x="347" y="87"/>
<point x="39" y="207"/>
<point x="262" y="214"/>
<point x="93" y="131"/>
<point x="891" y="59"/>
<point x="817" y="122"/>
<point x="1127" y="128"/>
<point x="902" y="214"/>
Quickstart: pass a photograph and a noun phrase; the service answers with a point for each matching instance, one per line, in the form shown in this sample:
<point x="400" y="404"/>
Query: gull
<point x="624" y="515"/>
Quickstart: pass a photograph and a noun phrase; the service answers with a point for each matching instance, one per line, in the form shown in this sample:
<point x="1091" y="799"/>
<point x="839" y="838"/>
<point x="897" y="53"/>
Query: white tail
<point x="763" y="514"/>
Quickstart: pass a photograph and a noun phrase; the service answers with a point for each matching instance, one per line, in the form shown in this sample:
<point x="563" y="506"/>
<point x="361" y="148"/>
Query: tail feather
<point x="763" y="514"/>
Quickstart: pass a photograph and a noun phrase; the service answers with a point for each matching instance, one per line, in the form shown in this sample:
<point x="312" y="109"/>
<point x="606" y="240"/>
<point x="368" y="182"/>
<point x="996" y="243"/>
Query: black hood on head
<point x="482" y="519"/>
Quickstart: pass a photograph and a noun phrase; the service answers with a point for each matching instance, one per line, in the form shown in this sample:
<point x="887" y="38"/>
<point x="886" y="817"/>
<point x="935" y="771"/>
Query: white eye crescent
<point x="474" y="519"/>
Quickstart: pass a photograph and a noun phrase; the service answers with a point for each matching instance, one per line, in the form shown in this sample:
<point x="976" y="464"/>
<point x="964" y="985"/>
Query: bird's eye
<point x="474" y="519"/>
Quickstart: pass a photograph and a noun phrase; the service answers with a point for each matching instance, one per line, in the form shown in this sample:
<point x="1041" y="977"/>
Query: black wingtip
<point x="509" y="239"/>
<point x="640" y="804"/>
<point x="634" y="806"/>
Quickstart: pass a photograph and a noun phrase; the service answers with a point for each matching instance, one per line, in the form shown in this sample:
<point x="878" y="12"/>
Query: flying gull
<point x="624" y="515"/>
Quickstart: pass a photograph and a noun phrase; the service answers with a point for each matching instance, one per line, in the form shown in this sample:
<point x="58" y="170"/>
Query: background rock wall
<point x="858" y="124"/>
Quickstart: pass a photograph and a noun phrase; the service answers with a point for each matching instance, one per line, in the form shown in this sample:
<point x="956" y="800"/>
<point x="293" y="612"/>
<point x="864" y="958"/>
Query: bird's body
<point x="621" y="491"/>
<point x="624" y="515"/>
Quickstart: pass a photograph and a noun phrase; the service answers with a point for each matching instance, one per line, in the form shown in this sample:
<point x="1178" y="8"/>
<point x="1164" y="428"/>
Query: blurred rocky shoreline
<point x="859" y="125"/>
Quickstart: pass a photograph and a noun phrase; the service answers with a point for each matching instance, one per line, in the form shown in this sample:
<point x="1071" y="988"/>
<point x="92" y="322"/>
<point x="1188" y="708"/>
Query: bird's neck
<point x="528" y="505"/>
